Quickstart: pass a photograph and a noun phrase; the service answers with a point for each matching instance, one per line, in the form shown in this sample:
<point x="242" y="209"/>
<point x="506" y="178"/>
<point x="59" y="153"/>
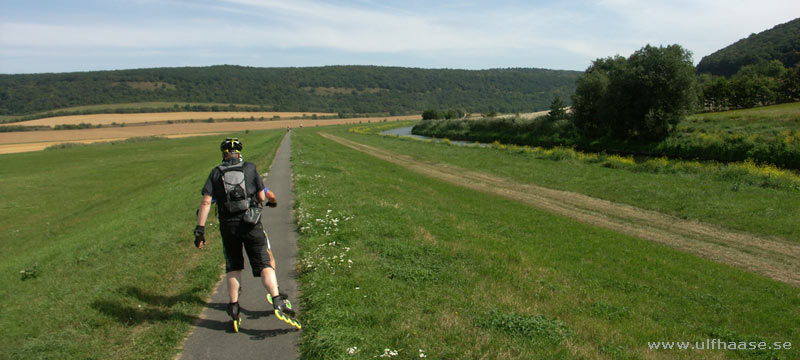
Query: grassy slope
<point x="431" y="262"/>
<point x="722" y="201"/>
<point x="109" y="228"/>
<point x="773" y="118"/>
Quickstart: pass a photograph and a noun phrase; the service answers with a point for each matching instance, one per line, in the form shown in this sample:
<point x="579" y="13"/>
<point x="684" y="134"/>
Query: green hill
<point x="343" y="89"/>
<point x="782" y="42"/>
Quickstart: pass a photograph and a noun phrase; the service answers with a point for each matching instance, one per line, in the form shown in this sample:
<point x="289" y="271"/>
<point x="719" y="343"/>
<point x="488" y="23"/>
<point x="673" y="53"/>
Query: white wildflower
<point x="389" y="353"/>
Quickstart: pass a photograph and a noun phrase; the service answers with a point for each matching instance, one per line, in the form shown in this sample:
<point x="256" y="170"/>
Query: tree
<point x="430" y="114"/>
<point x="557" y="110"/>
<point x="718" y="94"/>
<point x="639" y="98"/>
<point x="790" y="84"/>
<point x="589" y="108"/>
<point x="773" y="69"/>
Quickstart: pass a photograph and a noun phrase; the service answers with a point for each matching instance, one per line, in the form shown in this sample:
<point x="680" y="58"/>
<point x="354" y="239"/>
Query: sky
<point x="39" y="36"/>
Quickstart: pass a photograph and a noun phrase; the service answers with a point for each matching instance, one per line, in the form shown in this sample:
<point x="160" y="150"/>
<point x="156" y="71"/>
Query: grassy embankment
<point x="742" y="197"/>
<point x="768" y="134"/>
<point x="97" y="254"/>
<point x="394" y="260"/>
<point x="764" y="119"/>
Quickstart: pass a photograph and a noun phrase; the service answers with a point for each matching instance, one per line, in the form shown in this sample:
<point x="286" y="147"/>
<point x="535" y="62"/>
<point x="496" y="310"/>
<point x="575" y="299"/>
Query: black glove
<point x="272" y="204"/>
<point x="199" y="236"/>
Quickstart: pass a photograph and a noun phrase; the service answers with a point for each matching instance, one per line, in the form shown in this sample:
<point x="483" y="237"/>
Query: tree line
<point x="356" y="89"/>
<point x="764" y="83"/>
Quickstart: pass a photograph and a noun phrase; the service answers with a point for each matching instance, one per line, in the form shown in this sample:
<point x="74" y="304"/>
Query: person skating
<point x="240" y="193"/>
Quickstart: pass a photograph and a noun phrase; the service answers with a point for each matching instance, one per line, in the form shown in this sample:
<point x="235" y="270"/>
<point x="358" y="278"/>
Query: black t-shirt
<point x="214" y="187"/>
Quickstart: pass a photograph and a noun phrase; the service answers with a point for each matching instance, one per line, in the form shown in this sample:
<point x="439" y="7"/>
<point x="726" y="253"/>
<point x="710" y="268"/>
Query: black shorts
<point x="255" y="242"/>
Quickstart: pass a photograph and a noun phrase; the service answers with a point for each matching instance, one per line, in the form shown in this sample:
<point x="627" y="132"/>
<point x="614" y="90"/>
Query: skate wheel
<point x="235" y="326"/>
<point x="287" y="319"/>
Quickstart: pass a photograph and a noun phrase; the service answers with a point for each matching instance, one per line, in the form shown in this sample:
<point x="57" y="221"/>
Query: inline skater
<point x="240" y="193"/>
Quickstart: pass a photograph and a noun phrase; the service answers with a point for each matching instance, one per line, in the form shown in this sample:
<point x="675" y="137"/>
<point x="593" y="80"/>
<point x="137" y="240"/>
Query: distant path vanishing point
<point x="769" y="256"/>
<point x="261" y="335"/>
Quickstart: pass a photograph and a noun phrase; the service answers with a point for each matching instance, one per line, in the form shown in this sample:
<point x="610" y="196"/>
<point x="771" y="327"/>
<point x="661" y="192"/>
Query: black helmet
<point x="231" y="145"/>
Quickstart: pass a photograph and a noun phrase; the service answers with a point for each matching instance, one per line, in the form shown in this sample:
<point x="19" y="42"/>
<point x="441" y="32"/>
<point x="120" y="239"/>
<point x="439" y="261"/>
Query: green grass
<point x="394" y="260"/>
<point x="722" y="198"/>
<point x="774" y="118"/>
<point x="97" y="254"/>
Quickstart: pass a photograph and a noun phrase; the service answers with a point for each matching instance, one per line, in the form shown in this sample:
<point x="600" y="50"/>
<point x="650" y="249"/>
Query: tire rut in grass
<point x="770" y="256"/>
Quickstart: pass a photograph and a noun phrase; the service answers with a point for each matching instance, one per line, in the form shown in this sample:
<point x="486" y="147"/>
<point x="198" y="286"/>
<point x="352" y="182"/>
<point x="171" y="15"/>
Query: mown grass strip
<point x="775" y="259"/>
<point x="729" y="200"/>
<point x="97" y="251"/>
<point x="393" y="260"/>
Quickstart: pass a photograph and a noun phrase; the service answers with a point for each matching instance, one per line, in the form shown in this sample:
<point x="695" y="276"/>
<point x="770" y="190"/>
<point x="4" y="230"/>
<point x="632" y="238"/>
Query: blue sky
<point x="59" y="36"/>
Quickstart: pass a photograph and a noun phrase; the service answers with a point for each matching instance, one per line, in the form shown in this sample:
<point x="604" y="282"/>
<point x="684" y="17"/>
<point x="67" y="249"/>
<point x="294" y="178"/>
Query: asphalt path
<point x="261" y="335"/>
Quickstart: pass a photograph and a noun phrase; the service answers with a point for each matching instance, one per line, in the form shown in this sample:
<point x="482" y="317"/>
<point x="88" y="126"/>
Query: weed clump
<point x="30" y="273"/>
<point x="537" y="328"/>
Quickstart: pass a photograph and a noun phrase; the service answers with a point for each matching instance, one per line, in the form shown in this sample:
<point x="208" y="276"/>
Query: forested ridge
<point x="782" y="43"/>
<point x="338" y="89"/>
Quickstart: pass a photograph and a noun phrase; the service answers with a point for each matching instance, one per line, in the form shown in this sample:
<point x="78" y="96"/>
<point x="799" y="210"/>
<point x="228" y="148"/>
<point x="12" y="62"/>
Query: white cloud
<point x="703" y="26"/>
<point x="501" y="34"/>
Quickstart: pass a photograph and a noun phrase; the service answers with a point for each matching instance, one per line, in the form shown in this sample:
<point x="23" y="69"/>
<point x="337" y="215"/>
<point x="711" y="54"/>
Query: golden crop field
<point x="108" y="119"/>
<point x="13" y="142"/>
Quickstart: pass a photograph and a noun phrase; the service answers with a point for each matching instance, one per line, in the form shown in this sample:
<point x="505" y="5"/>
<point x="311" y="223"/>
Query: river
<point x="406" y="131"/>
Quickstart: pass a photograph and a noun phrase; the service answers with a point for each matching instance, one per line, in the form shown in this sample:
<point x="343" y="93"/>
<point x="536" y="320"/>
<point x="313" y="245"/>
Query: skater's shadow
<point x="254" y="334"/>
<point x="263" y="334"/>
<point x="190" y="296"/>
<point x="247" y="316"/>
<point x="214" y="325"/>
<point x="132" y="315"/>
<point x="139" y="306"/>
<point x="251" y="314"/>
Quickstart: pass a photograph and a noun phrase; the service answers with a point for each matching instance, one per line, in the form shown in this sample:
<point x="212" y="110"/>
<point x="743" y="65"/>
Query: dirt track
<point x="771" y="257"/>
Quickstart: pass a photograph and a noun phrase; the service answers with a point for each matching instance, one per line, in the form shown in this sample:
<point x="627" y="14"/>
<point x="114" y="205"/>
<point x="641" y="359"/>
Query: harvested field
<point x="531" y="115"/>
<point x="108" y="119"/>
<point x="15" y="148"/>
<point x="14" y="142"/>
